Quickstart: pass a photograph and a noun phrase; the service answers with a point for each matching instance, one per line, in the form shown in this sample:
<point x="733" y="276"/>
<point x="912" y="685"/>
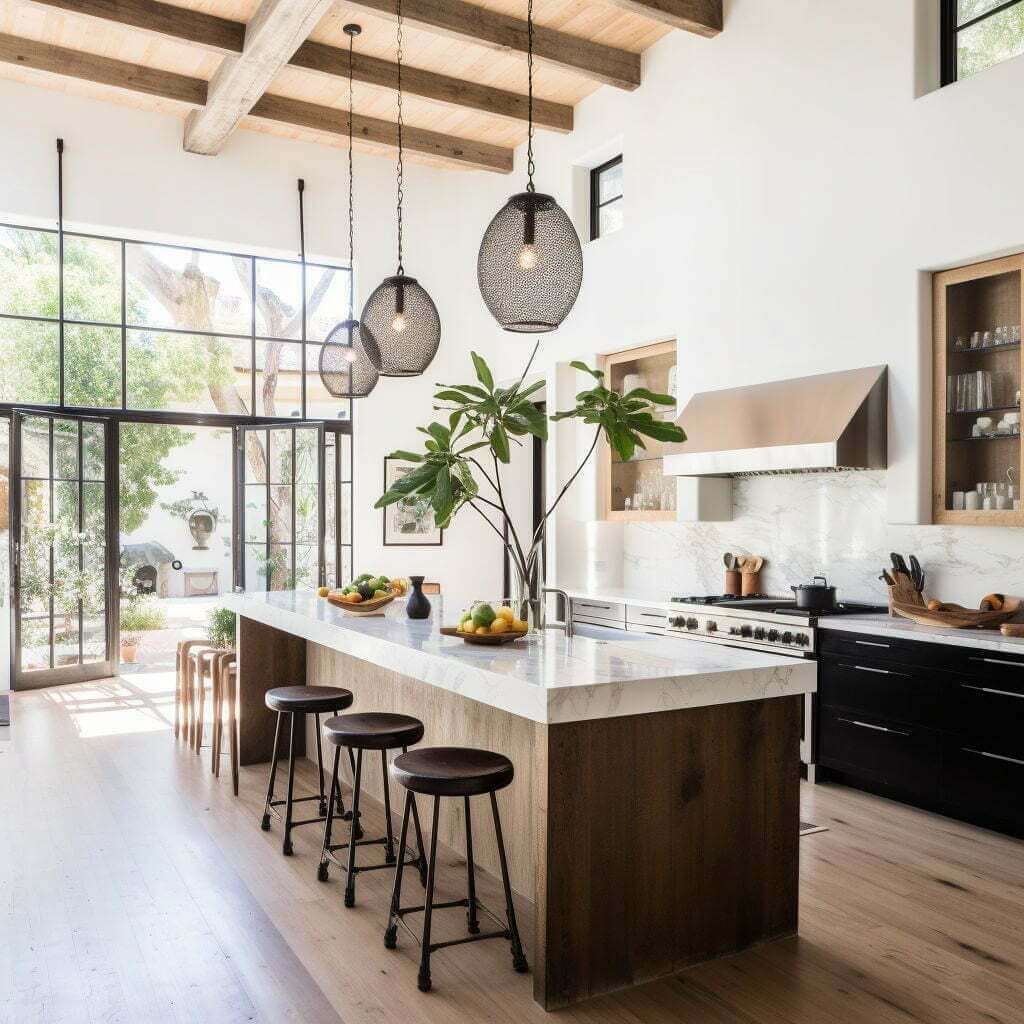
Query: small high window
<point x="606" y="198"/>
<point x="978" y="34"/>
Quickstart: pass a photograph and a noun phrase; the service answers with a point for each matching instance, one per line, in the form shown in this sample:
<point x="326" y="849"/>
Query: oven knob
<point x="758" y="633"/>
<point x="676" y="620"/>
<point x="787" y="637"/>
<point x="802" y="639"/>
<point x="711" y="627"/>
<point x="745" y="631"/>
<point x="773" y="635"/>
<point x="734" y="630"/>
<point x="691" y="623"/>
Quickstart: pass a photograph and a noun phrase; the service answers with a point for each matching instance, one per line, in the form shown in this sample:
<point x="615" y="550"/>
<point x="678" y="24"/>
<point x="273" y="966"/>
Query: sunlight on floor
<point x="115" y="707"/>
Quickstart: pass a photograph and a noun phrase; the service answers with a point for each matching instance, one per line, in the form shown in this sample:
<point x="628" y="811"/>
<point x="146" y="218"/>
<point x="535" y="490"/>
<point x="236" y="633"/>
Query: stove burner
<point x="721" y="598"/>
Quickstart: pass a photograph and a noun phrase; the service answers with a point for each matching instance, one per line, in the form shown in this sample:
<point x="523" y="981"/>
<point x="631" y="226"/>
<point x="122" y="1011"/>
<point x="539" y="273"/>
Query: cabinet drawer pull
<point x="877" y="728"/>
<point x="880" y="671"/>
<point x="999" y="661"/>
<point x="990" y="689"/>
<point x="583" y="604"/>
<point x="871" y="643"/>
<point x="653" y="615"/>
<point x="994" y="757"/>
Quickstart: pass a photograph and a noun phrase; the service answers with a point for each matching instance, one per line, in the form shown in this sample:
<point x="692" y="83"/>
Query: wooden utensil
<point x="753" y="563"/>
<point x="952" y="616"/>
<point x="1015" y="629"/>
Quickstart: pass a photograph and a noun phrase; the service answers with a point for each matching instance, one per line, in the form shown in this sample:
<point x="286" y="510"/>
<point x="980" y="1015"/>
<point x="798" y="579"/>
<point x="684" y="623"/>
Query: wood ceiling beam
<point x="89" y="67"/>
<point x="704" y="17"/>
<point x="605" y="64"/>
<point x="276" y="31"/>
<point x="224" y="36"/>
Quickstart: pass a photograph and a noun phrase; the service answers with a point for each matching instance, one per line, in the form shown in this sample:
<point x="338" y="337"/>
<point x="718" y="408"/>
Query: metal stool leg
<point x="472" y="923"/>
<point x="350" y="884"/>
<point x="422" y="859"/>
<point x="518" y="956"/>
<point x="423" y="979"/>
<point x="320" y="766"/>
<point x="265" y="824"/>
<point x="350" y="815"/>
<point x="391" y="933"/>
<point x="321" y="872"/>
<point x="389" y="846"/>
<point x="286" y="846"/>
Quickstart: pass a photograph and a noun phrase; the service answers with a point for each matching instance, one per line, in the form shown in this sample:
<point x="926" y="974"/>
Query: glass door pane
<point x="280" y="478"/>
<point x="60" y="526"/>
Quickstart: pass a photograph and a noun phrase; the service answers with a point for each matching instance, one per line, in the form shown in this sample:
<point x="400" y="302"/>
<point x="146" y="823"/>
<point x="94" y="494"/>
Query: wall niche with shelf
<point x="637" y="490"/>
<point x="977" y="459"/>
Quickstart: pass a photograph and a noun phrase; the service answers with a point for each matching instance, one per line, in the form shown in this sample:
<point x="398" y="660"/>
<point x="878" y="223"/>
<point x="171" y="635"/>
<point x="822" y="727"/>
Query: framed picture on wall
<point x="409" y="522"/>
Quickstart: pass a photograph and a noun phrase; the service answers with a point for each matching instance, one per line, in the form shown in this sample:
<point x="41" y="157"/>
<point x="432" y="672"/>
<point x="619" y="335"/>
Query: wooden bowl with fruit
<point x="365" y="595"/>
<point x="488" y="623"/>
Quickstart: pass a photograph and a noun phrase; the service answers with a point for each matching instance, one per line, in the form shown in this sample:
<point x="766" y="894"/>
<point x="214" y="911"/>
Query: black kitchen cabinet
<point x="937" y="725"/>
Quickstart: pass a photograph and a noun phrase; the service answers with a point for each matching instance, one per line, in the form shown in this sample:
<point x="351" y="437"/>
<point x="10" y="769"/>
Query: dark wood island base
<point x="647" y="843"/>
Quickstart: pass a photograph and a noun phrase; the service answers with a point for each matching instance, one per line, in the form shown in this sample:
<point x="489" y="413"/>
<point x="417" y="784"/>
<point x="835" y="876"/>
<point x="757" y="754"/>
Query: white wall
<point x="126" y="172"/>
<point x="786" y="193"/>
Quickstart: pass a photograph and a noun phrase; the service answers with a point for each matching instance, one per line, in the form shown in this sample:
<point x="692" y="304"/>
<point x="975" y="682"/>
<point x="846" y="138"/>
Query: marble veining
<point x="599" y="674"/>
<point x="811" y="523"/>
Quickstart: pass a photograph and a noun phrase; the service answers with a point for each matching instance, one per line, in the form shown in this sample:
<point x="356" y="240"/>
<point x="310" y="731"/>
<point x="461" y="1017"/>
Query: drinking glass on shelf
<point x="976" y="339"/>
<point x="986" y="339"/>
<point x="999" y="336"/>
<point x="961" y="342"/>
<point x="1014" y="333"/>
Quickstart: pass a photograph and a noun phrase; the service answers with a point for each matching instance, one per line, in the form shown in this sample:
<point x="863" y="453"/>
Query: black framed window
<point x="91" y="322"/>
<point x="978" y="34"/>
<point x="606" y="202"/>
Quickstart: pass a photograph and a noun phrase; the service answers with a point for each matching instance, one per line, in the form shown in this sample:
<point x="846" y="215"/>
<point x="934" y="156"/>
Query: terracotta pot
<point x="128" y="652"/>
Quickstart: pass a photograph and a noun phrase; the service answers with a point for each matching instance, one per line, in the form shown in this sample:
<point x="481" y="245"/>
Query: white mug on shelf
<point x="958" y="501"/>
<point x="972" y="501"/>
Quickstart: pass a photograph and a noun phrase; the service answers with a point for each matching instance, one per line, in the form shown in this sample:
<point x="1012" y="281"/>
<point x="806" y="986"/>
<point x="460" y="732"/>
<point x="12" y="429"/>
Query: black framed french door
<point x="280" y="506"/>
<point x="63" y="540"/>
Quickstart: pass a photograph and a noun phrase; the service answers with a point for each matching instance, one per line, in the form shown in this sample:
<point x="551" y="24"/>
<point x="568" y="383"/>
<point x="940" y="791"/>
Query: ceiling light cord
<point x="399" y="174"/>
<point x="529" y="96"/>
<point x="351" y="212"/>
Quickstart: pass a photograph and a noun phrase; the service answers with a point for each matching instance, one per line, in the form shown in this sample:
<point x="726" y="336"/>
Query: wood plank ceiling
<point x="226" y="63"/>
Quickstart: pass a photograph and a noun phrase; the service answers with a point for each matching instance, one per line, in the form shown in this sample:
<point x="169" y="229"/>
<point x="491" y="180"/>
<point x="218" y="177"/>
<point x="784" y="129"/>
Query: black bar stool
<point x="453" y="771"/>
<point x="374" y="730"/>
<point x="297" y="701"/>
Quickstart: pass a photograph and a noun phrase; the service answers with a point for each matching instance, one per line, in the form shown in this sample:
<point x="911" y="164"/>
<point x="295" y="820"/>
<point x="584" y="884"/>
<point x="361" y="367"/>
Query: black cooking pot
<point x="815" y="596"/>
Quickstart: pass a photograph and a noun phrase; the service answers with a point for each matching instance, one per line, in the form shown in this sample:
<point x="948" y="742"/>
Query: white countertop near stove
<point x="619" y="595"/>
<point x="602" y="674"/>
<point x="884" y="625"/>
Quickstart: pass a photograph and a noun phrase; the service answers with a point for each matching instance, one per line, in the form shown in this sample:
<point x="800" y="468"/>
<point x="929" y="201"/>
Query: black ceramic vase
<point x="417" y="607"/>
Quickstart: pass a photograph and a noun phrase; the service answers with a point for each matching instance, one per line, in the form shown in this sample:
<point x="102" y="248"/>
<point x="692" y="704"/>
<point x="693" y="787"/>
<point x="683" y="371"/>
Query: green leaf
<point x="409" y="484"/>
<point x="658" y="429"/>
<point x="596" y="374"/>
<point x="534" y="420"/>
<point x="474" y="447"/>
<point x="405" y="456"/>
<point x="536" y="386"/>
<point x="442" y="499"/>
<point x="649" y="396"/>
<point x="483" y="372"/>
<point x="499" y="443"/>
<point x="623" y="443"/>
<point x="453" y="396"/>
<point x="441" y="434"/>
<point x="470" y="389"/>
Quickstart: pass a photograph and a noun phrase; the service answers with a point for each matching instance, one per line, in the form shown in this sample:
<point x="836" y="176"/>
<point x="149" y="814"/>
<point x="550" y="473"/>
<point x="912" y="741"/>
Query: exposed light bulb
<point x="528" y="257"/>
<point x="398" y="324"/>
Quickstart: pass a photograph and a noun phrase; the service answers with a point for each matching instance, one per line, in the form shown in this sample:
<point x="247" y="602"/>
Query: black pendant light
<point x="345" y="368"/>
<point x="530" y="264"/>
<point x="400" y="327"/>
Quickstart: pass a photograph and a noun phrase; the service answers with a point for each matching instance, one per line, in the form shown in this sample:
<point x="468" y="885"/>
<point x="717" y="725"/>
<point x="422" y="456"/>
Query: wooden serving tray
<point x="364" y="607"/>
<point x="955" y="617"/>
<point x="485" y="639"/>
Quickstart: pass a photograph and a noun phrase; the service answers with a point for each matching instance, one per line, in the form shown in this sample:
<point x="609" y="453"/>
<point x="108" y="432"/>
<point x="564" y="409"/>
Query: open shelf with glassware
<point x="636" y="490"/>
<point x="977" y="458"/>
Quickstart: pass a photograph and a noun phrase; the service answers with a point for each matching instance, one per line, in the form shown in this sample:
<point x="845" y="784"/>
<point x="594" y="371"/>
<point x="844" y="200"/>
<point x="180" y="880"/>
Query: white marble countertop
<point x="882" y="624"/>
<point x="599" y="674"/>
<point x="620" y="595"/>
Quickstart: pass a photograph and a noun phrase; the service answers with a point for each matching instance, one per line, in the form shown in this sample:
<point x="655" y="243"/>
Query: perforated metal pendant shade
<point x="530" y="264"/>
<point x="345" y="369"/>
<point x="400" y="327"/>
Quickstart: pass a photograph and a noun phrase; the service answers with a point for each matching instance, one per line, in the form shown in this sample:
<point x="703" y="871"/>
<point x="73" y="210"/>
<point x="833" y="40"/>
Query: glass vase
<point x="527" y="598"/>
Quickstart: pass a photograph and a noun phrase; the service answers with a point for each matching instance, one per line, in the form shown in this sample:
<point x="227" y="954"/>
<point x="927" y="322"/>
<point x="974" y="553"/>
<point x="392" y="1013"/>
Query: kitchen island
<point x="654" y="818"/>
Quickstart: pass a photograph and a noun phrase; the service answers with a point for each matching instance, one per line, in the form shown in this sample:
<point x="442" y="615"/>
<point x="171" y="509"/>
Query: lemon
<point x="323" y="591"/>
<point x="380" y="593"/>
<point x="499" y="625"/>
<point x="518" y="626"/>
<point x="506" y="613"/>
<point x="483" y="630"/>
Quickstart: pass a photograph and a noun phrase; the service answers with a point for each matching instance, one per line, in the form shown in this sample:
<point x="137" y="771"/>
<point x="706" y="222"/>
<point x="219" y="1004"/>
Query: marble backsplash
<point x="830" y="524"/>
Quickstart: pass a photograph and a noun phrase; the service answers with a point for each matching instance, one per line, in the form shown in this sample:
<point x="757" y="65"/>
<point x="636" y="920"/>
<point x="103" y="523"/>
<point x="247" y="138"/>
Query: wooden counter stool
<point x="297" y="701"/>
<point x="225" y="694"/>
<point x="202" y="661"/>
<point x="183" y="687"/>
<point x="373" y="730"/>
<point x="453" y="772"/>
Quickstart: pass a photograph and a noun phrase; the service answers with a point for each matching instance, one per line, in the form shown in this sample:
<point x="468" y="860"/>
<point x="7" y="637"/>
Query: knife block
<point x="903" y="592"/>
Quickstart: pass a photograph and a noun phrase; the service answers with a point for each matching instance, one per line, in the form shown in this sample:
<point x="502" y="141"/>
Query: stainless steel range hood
<point x="829" y="421"/>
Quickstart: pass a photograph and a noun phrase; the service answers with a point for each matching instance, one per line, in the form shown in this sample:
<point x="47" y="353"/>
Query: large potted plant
<point x="461" y="462"/>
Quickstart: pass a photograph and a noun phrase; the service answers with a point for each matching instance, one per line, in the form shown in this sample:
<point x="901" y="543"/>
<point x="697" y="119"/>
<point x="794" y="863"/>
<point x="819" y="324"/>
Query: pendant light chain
<point x="401" y="195"/>
<point x="351" y="210"/>
<point x="529" y="95"/>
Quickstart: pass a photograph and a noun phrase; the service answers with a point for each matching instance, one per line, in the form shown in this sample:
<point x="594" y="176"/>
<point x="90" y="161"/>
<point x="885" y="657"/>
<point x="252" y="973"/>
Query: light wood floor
<point x="135" y="888"/>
